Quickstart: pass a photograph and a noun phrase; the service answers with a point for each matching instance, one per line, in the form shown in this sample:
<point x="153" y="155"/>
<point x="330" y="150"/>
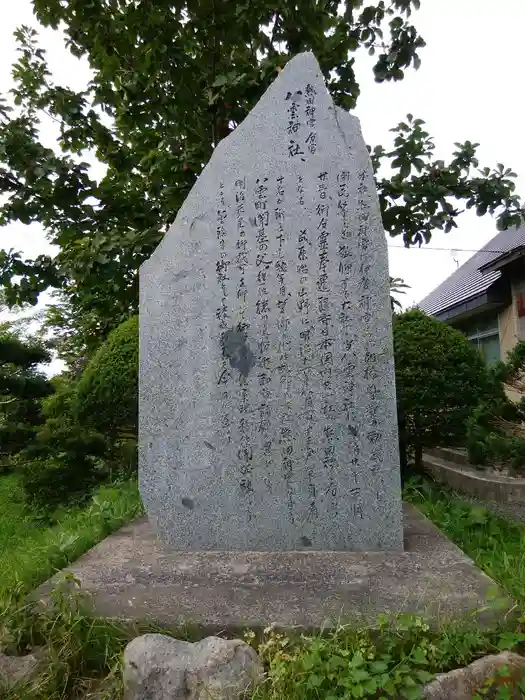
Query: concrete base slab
<point x="132" y="576"/>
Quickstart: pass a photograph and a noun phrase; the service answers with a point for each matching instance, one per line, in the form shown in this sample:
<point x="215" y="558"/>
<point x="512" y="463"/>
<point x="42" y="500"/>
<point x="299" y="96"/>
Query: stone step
<point x="131" y="575"/>
<point x="482" y="484"/>
<point x="450" y="454"/>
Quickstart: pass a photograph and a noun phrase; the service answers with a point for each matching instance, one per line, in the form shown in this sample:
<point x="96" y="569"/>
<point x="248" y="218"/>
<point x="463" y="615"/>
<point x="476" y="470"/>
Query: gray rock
<point x="157" y="667"/>
<point x="464" y="683"/>
<point x="267" y="397"/>
<point x="19" y="669"/>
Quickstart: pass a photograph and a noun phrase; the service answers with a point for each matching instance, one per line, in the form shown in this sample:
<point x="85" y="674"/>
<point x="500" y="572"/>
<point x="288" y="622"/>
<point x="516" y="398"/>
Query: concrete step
<point x="131" y="576"/>
<point x="480" y="483"/>
<point x="450" y="454"/>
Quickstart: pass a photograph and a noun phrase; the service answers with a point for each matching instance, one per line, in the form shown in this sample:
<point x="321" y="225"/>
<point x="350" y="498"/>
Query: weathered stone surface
<point x="131" y="576"/>
<point x="157" y="667"/>
<point x="18" y="669"/>
<point x="267" y="401"/>
<point x="463" y="683"/>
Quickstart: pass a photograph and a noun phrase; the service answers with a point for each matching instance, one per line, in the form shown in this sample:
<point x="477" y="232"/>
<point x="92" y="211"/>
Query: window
<point x="489" y="347"/>
<point x="483" y="333"/>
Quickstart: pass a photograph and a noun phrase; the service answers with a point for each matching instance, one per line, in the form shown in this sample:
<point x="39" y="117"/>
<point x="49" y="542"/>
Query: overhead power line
<point x="455" y="250"/>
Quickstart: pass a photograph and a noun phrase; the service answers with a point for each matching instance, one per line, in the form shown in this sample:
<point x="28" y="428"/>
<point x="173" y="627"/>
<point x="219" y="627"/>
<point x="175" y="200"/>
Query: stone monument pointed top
<point x="302" y="70"/>
<point x="267" y="401"/>
<point x="267" y="135"/>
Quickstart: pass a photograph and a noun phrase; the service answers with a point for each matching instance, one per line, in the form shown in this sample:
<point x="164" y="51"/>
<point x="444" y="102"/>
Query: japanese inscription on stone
<point x="267" y="404"/>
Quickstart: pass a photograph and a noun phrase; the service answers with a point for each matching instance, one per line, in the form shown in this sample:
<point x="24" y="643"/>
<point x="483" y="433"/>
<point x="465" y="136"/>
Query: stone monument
<point x="267" y="396"/>
<point x="267" y="406"/>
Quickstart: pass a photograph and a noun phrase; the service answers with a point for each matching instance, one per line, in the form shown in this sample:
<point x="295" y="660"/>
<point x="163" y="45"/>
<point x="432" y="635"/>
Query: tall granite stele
<point x="267" y="398"/>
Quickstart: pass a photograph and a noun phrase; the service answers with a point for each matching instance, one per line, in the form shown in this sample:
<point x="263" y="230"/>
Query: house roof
<point x="504" y="259"/>
<point x="468" y="282"/>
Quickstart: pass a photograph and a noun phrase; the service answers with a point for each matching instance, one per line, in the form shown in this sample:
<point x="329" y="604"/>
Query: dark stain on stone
<point x="297" y="96"/>
<point x="209" y="445"/>
<point x="181" y="275"/>
<point x="188" y="503"/>
<point x="306" y="542"/>
<point x="235" y="347"/>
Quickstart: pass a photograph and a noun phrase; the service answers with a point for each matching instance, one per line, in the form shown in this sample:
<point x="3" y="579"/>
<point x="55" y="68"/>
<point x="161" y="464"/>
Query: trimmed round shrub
<point x="440" y="378"/>
<point x="106" y="397"/>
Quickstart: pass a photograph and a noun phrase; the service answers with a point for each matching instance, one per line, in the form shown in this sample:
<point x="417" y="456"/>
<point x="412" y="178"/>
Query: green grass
<point x="405" y="651"/>
<point x="495" y="544"/>
<point x="31" y="549"/>
<point x="392" y="660"/>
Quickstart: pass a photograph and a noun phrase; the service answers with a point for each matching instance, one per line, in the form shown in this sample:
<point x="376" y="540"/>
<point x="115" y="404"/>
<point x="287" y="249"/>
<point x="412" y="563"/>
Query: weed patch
<point x="34" y="547"/>
<point x="495" y="544"/>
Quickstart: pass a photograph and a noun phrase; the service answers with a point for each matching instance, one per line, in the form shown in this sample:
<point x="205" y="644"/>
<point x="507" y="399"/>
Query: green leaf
<point x="412" y="693"/>
<point x="423" y="676"/>
<point x="357" y="660"/>
<point x="371" y="685"/>
<point x="404" y="170"/>
<point x="359" y="675"/>
<point x="378" y="666"/>
<point x="308" y="661"/>
<point x="509" y="640"/>
<point x="419" y="656"/>
<point x="315" y="681"/>
<point x="220" y="80"/>
<point x="338" y="662"/>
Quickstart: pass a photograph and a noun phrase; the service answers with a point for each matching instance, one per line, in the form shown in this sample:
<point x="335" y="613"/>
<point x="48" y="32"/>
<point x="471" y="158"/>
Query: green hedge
<point x="89" y="434"/>
<point x="106" y="397"/>
<point x="440" y="378"/>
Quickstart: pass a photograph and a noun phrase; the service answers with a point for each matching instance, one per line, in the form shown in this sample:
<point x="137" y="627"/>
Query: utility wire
<point x="458" y="250"/>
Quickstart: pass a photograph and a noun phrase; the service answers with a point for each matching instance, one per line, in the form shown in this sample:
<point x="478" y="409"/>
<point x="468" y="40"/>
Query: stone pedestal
<point x="131" y="576"/>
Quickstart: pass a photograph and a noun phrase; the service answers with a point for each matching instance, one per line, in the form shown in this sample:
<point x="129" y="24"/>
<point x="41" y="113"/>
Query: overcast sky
<point x="468" y="87"/>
